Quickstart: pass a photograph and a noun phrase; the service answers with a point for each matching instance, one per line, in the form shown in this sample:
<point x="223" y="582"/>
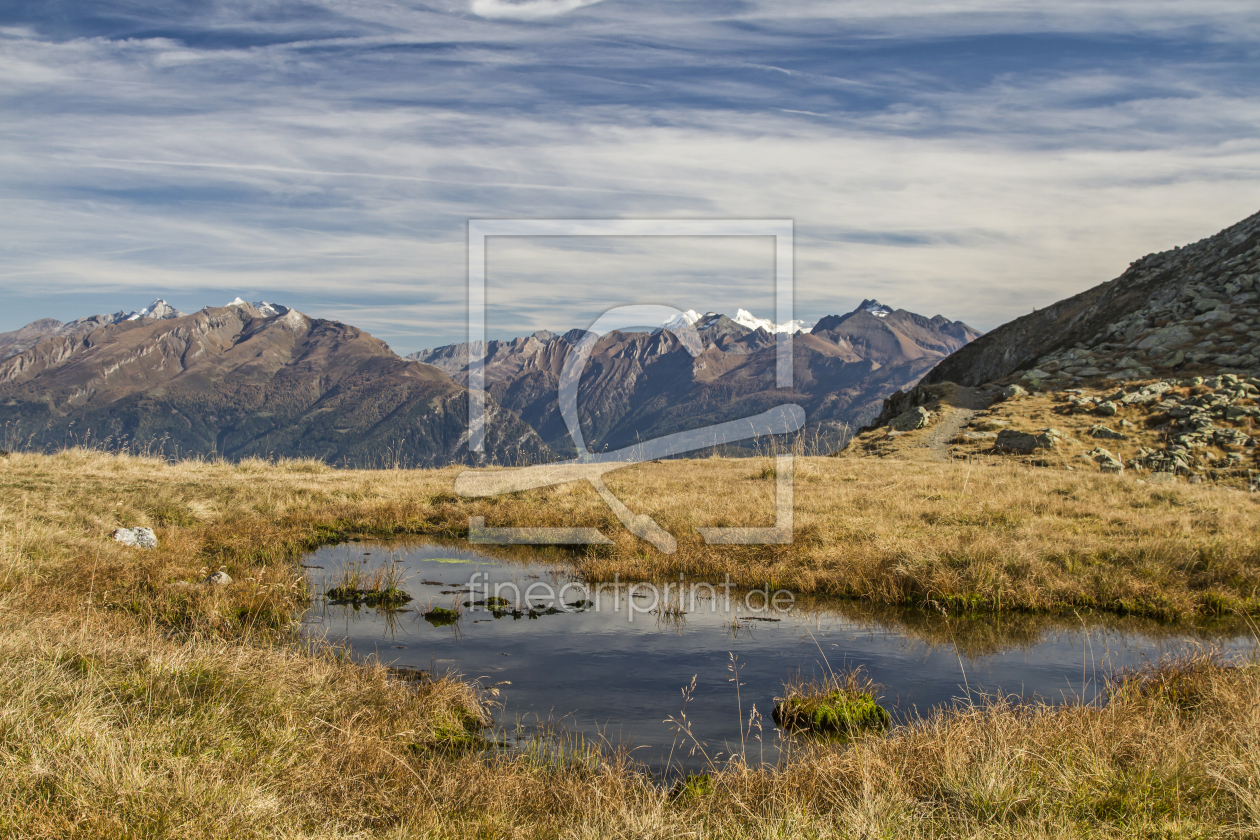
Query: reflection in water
<point x="654" y="673"/>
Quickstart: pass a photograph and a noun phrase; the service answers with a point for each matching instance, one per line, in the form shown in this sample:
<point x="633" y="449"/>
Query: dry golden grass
<point x="965" y="536"/>
<point x="136" y="701"/>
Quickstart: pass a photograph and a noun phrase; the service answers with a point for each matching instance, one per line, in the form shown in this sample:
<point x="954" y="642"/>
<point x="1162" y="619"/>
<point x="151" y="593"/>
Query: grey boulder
<point x="1105" y="460"/>
<point x="1024" y="442"/>
<point x="1167" y="337"/>
<point x="137" y="537"/>
<point x="915" y="418"/>
<point x="1012" y="391"/>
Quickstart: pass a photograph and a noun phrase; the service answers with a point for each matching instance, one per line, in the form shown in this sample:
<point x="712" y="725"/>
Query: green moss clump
<point x="387" y="598"/>
<point x="441" y="616"/>
<point x="464" y="733"/>
<point x="838" y="711"/>
<point x="494" y="602"/>
<point x="692" y="786"/>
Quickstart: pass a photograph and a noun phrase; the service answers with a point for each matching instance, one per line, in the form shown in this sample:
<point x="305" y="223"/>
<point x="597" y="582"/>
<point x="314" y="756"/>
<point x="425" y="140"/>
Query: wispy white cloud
<point x="332" y="162"/>
<point x="527" y="9"/>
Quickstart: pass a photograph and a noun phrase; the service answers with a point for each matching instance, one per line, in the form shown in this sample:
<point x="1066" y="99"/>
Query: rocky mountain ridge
<point x="18" y="341"/>
<point x="641" y="385"/>
<point x="240" y="380"/>
<point x="261" y="378"/>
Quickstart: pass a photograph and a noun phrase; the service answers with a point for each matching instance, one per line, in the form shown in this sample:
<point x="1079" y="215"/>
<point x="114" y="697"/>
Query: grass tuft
<point x="841" y="704"/>
<point x="381" y="587"/>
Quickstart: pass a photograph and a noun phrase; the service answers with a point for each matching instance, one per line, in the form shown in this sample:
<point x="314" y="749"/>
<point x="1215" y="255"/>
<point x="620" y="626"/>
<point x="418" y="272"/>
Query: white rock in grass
<point x="219" y="579"/>
<point x="138" y="537"/>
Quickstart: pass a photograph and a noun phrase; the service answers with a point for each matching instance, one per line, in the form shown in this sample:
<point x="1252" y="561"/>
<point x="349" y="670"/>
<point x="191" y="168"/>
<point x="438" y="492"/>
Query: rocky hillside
<point x="641" y="385"/>
<point x="19" y="341"/>
<point x="236" y="381"/>
<point x="1191" y="310"/>
<point x="1195" y="429"/>
<point x="1155" y="372"/>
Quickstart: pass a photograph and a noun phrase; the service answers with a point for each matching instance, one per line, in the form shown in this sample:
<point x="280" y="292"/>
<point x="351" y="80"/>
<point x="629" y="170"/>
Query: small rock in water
<point x="138" y="537"/>
<point x="219" y="579"/>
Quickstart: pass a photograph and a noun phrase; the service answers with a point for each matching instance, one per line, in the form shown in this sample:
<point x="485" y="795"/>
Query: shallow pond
<point x="614" y="670"/>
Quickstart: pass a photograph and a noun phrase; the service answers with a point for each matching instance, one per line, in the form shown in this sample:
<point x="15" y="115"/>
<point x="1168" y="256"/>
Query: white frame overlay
<point x="479" y="483"/>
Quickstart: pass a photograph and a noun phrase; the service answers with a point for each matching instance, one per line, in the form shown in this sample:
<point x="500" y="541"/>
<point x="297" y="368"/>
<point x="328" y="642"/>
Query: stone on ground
<point x="137" y="537"/>
<point x="915" y="418"/>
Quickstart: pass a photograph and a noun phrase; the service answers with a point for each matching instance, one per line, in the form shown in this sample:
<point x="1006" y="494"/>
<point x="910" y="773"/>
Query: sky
<point x="968" y="158"/>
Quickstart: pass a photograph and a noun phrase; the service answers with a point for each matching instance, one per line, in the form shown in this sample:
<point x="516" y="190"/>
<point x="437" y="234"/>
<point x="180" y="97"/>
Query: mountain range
<point x="238" y="380"/>
<point x="642" y="385"/>
<point x="263" y="379"/>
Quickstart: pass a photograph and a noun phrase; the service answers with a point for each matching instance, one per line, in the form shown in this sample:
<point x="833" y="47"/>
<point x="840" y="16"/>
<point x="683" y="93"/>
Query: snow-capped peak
<point x="159" y="309"/>
<point x="746" y="319"/>
<point x="691" y="316"/>
<point x="875" y="308"/>
<point x="267" y="310"/>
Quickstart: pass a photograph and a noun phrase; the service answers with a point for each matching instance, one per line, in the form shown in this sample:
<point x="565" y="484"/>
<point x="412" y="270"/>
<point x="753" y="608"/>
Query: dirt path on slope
<point x="967" y="402"/>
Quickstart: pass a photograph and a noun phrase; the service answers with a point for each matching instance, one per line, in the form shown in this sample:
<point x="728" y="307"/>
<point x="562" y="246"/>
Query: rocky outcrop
<point x="1189" y="310"/>
<point x="1025" y="443"/>
<point x="1105" y="460"/>
<point x="915" y="418"/>
<point x="904" y="401"/>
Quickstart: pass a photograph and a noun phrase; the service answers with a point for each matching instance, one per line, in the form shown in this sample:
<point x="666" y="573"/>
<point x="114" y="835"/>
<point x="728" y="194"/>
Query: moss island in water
<point x="441" y="616"/>
<point x="386" y="598"/>
<point x="841" y="705"/>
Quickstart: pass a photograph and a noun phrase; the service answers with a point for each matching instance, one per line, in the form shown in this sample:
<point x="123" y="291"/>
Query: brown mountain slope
<point x="896" y="336"/>
<point x="19" y="341"/>
<point x="1191" y="309"/>
<point x="641" y="385"/>
<point x="236" y="382"/>
<point x="28" y="336"/>
<point x="1156" y="372"/>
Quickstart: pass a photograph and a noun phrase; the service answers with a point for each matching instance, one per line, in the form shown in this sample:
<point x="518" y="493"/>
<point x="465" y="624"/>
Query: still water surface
<point x="615" y="675"/>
